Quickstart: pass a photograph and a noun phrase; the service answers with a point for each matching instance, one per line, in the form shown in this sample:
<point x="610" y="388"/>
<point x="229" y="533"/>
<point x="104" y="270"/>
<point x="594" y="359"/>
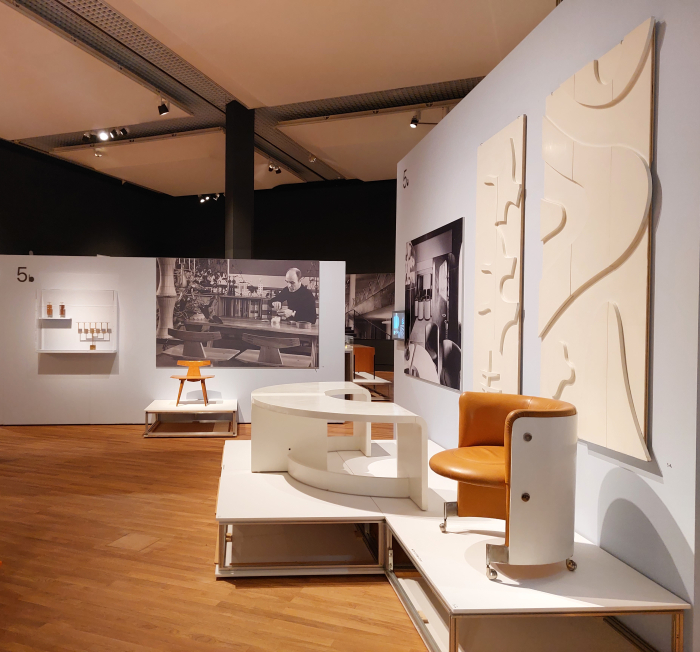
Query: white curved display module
<point x="289" y="434"/>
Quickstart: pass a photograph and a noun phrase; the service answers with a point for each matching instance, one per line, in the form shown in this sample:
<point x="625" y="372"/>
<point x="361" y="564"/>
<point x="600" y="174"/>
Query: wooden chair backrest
<point x="193" y="367"/>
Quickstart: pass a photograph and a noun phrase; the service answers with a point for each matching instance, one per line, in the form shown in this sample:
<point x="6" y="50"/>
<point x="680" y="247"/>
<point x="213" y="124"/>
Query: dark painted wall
<point x="331" y="220"/>
<point x="52" y="207"/>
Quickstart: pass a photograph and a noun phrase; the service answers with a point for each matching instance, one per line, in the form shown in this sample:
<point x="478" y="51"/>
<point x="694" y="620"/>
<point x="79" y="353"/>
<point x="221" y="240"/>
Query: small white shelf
<point x="77" y="351"/>
<point x="91" y="319"/>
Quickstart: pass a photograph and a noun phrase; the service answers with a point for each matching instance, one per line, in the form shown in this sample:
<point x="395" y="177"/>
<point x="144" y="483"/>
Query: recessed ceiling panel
<point x="188" y="164"/>
<point x="51" y="86"/>
<point x="280" y="52"/>
<point x="264" y="179"/>
<point x="366" y="148"/>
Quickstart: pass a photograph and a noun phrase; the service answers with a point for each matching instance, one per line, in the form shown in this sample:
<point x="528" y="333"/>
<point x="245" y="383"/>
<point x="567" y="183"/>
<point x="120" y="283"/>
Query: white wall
<point x="644" y="513"/>
<point x="86" y="388"/>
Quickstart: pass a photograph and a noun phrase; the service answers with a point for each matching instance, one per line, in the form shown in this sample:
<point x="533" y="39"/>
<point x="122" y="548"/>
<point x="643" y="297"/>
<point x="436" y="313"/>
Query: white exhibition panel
<point x="67" y="388"/>
<point x="642" y="512"/>
<point x="500" y="202"/>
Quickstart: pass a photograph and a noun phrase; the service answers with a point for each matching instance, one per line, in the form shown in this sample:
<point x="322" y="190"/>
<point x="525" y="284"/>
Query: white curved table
<point x="289" y="434"/>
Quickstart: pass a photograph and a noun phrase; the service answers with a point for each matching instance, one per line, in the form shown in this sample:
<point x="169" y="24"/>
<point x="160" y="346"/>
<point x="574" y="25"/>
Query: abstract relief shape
<point x="497" y="296"/>
<point x="597" y="145"/>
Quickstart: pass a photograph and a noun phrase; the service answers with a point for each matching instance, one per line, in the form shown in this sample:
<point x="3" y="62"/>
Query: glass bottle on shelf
<point x="420" y="307"/>
<point x="426" y="307"/>
<point x="49" y="309"/>
<point x="62" y="310"/>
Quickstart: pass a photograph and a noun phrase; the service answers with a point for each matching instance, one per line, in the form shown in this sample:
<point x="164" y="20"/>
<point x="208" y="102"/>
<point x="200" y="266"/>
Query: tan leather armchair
<point x="508" y="445"/>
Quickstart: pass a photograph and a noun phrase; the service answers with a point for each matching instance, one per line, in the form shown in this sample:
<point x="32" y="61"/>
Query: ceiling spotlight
<point x="164" y="107"/>
<point x="99" y="153"/>
<point x="278" y="171"/>
<point x="87" y="137"/>
<point x="103" y="135"/>
<point x="201" y="199"/>
<point x="216" y="196"/>
<point x="270" y="166"/>
<point x="114" y="134"/>
<point x="312" y="158"/>
<point x="123" y="131"/>
<point x="415" y="120"/>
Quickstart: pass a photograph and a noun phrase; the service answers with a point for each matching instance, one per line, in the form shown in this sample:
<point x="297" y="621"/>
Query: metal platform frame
<point x="385" y="565"/>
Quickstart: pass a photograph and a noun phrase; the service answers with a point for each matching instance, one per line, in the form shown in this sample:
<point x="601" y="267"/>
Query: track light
<point x="123" y="132"/>
<point x="103" y="135"/>
<point x="99" y="153"/>
<point x="415" y="120"/>
<point x="312" y="158"/>
<point x="216" y="196"/>
<point x="201" y="199"/>
<point x="114" y="134"/>
<point x="270" y="166"/>
<point x="164" y="107"/>
<point x="87" y="137"/>
<point x="278" y="171"/>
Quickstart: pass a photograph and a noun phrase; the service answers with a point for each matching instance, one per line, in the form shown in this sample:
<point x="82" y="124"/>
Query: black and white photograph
<point x="433" y="349"/>
<point x="369" y="302"/>
<point x="237" y="313"/>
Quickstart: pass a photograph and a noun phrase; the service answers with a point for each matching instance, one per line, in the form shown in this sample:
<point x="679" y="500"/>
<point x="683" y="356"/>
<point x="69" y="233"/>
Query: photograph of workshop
<point x="237" y="313"/>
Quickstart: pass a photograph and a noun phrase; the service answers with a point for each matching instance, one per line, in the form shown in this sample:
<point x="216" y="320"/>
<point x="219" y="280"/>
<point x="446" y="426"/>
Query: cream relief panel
<point x="497" y="294"/>
<point x="595" y="226"/>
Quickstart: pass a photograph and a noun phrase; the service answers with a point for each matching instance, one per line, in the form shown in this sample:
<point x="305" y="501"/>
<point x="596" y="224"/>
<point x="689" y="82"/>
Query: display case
<point x="77" y="321"/>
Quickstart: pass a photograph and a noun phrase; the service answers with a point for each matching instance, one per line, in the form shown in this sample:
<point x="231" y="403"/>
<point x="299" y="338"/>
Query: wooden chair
<point x="194" y="375"/>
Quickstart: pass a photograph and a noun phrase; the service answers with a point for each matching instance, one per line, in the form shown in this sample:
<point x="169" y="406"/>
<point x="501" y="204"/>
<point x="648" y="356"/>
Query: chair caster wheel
<point x="571" y="565"/>
<point x="443" y="527"/>
<point x="491" y="573"/>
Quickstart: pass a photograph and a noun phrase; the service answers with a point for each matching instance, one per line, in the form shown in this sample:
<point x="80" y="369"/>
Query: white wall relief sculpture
<point x="497" y="294"/>
<point x="595" y="226"/>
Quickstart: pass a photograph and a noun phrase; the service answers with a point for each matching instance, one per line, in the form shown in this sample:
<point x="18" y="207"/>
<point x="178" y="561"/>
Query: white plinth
<point x="289" y="434"/>
<point x="450" y="567"/>
<point x="217" y="428"/>
<point x="366" y="378"/>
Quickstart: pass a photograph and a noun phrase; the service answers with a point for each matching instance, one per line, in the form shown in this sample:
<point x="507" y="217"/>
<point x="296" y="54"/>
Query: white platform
<point x="192" y="409"/>
<point x="451" y="567"/>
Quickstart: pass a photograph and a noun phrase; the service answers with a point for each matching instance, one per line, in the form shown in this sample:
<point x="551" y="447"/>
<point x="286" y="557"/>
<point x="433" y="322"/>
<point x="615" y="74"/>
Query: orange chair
<point x="516" y="461"/>
<point x="194" y="375"/>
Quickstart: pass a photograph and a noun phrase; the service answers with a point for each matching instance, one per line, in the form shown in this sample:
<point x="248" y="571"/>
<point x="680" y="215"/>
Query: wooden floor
<point x="107" y="543"/>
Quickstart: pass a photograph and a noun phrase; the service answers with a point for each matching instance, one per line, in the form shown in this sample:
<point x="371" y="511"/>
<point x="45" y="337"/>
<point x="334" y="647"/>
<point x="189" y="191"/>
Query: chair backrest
<point x="484" y="417"/>
<point x="193" y="367"/>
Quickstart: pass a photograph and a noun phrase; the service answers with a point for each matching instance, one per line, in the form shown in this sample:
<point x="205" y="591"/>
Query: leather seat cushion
<point x="484" y="466"/>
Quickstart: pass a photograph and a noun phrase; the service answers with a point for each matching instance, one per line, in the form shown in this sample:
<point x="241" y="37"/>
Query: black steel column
<point x="239" y="180"/>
